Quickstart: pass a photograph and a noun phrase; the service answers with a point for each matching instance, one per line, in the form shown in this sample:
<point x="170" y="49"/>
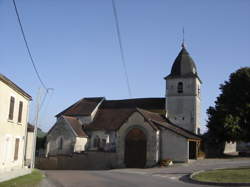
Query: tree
<point x="229" y="119"/>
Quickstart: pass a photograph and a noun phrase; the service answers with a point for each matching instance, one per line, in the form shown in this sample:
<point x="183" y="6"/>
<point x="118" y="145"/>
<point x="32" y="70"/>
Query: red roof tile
<point x="76" y="126"/>
<point x="83" y="107"/>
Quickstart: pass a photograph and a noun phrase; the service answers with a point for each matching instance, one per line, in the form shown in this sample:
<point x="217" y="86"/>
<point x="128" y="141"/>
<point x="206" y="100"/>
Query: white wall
<point x="80" y="144"/>
<point x="11" y="129"/>
<point x="29" y="145"/>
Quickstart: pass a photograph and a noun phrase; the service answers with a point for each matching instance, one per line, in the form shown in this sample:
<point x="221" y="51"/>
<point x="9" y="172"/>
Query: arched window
<point x="97" y="142"/>
<point x="60" y="147"/>
<point x="180" y="87"/>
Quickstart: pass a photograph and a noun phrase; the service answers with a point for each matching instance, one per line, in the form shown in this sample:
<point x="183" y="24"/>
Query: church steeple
<point x="183" y="65"/>
<point x="183" y="92"/>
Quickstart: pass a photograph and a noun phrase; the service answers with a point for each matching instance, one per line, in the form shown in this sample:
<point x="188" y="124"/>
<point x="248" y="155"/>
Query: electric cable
<point x="28" y="48"/>
<point x="121" y="47"/>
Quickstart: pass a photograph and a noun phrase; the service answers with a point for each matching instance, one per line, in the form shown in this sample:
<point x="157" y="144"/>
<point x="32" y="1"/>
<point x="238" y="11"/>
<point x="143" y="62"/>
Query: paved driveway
<point x="175" y="176"/>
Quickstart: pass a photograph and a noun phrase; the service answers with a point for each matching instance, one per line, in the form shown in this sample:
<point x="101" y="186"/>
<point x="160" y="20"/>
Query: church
<point x="137" y="132"/>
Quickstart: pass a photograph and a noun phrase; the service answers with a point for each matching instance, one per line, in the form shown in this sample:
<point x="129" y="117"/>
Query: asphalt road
<point x="174" y="176"/>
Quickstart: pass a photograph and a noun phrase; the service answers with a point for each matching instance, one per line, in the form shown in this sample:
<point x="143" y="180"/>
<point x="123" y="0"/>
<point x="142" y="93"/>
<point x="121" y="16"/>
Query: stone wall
<point x="173" y="146"/>
<point x="85" y="161"/>
<point x="230" y="147"/>
<point x="61" y="130"/>
<point x="183" y="109"/>
<point x="136" y="120"/>
<point x="107" y="140"/>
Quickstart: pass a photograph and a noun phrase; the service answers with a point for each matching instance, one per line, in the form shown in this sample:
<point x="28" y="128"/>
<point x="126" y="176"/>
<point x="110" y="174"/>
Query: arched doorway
<point x="135" y="149"/>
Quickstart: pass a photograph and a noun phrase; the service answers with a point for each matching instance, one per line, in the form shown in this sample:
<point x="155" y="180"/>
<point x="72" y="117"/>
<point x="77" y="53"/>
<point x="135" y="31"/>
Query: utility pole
<point x="38" y="100"/>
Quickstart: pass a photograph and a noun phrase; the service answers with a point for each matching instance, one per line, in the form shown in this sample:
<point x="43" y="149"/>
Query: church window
<point x="60" y="147"/>
<point x="180" y="87"/>
<point x="97" y="142"/>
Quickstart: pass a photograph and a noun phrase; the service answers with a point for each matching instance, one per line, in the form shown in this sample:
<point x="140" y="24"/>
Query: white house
<point x="14" y="110"/>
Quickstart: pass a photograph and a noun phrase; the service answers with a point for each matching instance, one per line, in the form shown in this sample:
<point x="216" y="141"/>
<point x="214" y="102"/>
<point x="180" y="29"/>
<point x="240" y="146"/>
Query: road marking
<point x="130" y="172"/>
<point x="166" y="176"/>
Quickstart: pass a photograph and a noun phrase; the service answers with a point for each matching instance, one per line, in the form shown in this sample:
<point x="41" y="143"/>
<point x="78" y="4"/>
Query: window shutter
<point x="20" y="112"/>
<point x="16" y="149"/>
<point x="11" y="110"/>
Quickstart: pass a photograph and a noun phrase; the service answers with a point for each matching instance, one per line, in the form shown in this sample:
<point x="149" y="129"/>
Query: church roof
<point x="83" y="107"/>
<point x="76" y="126"/>
<point x="86" y="106"/>
<point x="113" y="113"/>
<point x="183" y="66"/>
<point x="176" y="129"/>
<point x="159" y="120"/>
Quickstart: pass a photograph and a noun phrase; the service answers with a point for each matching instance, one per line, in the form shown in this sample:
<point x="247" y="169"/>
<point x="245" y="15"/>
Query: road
<point x="174" y="176"/>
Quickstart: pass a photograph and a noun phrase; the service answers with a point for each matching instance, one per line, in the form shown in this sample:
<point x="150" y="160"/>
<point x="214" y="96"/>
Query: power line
<point x="27" y="47"/>
<point x="121" y="47"/>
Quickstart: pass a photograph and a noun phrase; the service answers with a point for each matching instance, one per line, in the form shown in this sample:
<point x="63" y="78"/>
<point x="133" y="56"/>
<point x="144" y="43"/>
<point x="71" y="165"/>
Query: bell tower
<point x="183" y="93"/>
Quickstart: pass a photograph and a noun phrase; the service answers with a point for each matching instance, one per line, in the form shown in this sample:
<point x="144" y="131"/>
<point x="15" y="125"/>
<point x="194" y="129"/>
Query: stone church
<point x="139" y="132"/>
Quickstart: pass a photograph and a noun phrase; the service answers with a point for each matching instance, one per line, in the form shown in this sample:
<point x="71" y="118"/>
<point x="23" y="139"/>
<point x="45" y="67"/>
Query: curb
<point x="215" y="183"/>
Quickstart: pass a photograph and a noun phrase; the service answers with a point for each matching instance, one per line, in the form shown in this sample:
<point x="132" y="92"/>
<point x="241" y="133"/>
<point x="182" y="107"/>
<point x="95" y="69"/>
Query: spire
<point x="183" y="38"/>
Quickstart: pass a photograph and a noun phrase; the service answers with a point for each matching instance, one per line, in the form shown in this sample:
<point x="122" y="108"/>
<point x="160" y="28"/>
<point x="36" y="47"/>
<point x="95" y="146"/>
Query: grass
<point x="235" y="175"/>
<point x="30" y="180"/>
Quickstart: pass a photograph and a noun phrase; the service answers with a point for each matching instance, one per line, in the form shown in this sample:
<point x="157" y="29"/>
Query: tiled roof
<point x="113" y="113"/>
<point x="83" y="107"/>
<point x="183" y="66"/>
<point x="110" y="118"/>
<point x="145" y="103"/>
<point x="160" y="120"/>
<point x="14" y="86"/>
<point x="76" y="126"/>
<point x="178" y="130"/>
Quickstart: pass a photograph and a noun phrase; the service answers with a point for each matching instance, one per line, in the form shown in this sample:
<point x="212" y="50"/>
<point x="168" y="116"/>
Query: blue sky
<point x="76" y="50"/>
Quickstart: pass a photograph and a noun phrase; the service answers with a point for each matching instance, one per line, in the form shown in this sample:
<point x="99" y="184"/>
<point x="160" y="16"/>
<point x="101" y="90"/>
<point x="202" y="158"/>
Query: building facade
<point x="14" y="107"/>
<point x="140" y="132"/>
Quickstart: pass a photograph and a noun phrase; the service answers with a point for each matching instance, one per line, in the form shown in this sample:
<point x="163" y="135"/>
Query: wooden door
<point x="135" y="149"/>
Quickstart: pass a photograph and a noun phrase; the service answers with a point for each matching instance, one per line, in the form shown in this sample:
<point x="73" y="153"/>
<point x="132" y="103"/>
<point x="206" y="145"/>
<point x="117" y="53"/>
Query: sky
<point x="76" y="50"/>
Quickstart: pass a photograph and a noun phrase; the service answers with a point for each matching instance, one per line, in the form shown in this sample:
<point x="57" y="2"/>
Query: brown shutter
<point x="11" y="110"/>
<point x="16" y="149"/>
<point x="20" y="112"/>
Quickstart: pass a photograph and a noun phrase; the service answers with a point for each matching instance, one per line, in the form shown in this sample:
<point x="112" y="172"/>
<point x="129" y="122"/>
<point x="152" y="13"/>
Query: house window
<point x="20" y="112"/>
<point x="11" y="110"/>
<point x="16" y="149"/>
<point x="60" y="147"/>
<point x="180" y="87"/>
<point x="97" y="142"/>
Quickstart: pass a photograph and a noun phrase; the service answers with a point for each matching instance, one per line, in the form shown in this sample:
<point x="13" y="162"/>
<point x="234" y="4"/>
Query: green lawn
<point x="30" y="180"/>
<point x="225" y="175"/>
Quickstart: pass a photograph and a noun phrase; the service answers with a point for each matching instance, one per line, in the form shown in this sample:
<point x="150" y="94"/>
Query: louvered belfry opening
<point x="135" y="149"/>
